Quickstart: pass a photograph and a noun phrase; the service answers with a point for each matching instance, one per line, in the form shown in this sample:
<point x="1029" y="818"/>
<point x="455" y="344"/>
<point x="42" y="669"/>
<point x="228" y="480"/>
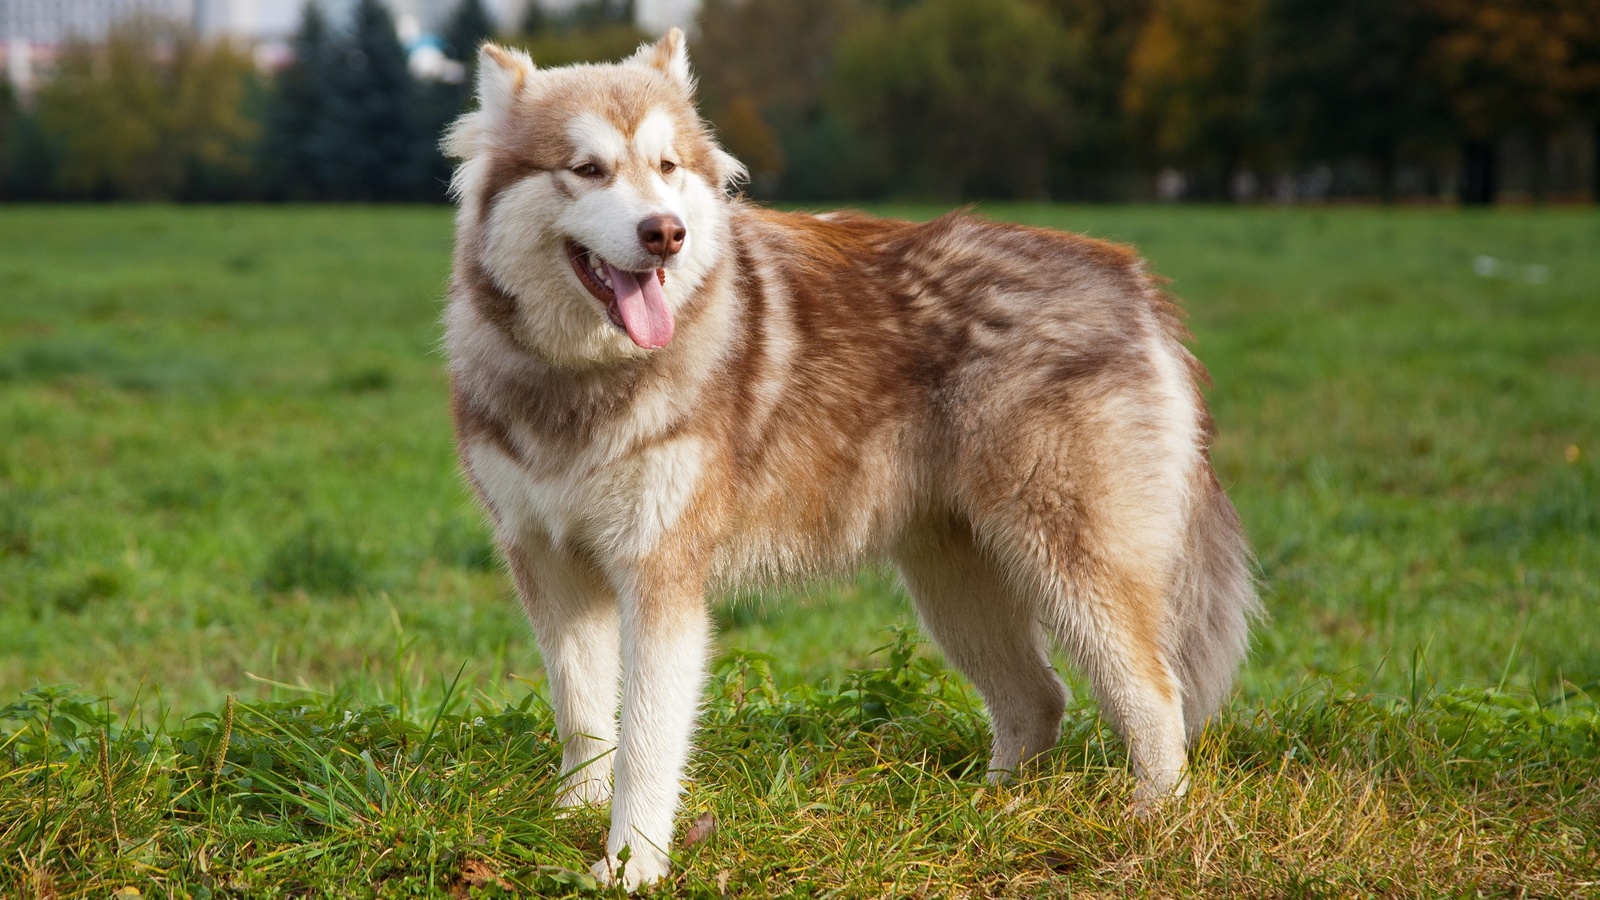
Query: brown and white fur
<point x="1007" y="414"/>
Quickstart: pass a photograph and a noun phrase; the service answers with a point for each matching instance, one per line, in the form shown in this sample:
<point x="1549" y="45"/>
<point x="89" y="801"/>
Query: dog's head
<point x="592" y="195"/>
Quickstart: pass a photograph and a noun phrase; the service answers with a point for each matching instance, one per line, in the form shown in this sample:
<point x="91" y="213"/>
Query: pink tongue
<point x="643" y="306"/>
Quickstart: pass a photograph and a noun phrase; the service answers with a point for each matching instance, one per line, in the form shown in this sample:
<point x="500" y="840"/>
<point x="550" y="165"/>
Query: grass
<point x="225" y="472"/>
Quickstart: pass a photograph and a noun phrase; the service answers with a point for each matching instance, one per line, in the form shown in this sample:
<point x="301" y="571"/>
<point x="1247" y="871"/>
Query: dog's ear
<point x="730" y="171"/>
<point x="501" y="76"/>
<point x="669" y="55"/>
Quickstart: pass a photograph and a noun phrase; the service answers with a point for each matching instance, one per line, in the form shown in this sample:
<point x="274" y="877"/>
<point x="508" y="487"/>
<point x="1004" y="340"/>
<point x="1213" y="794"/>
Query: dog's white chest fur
<point x="621" y="505"/>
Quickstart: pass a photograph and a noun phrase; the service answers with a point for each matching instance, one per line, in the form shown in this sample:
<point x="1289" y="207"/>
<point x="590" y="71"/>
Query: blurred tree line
<point x="1088" y="99"/>
<point x="831" y="99"/>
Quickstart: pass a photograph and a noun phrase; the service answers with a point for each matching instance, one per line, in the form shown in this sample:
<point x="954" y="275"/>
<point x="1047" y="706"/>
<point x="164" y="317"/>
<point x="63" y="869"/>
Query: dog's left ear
<point x="669" y="55"/>
<point x="730" y="172"/>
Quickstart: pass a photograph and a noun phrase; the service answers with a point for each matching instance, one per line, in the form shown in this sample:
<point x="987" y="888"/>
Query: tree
<point x="534" y="20"/>
<point x="764" y="66"/>
<point x="587" y="31"/>
<point x="365" y="145"/>
<point x="1194" y="81"/>
<point x="963" y="97"/>
<point x="295" y="111"/>
<point x="1351" y="79"/>
<point x="468" y="27"/>
<point x="27" y="161"/>
<point x="435" y="104"/>
<point x="1514" y="65"/>
<point x="149" y="113"/>
<point x="1101" y="35"/>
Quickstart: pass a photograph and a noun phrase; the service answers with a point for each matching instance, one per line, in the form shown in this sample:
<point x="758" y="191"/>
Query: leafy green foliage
<point x="831" y="99"/>
<point x="151" y="112"/>
<point x="966" y="96"/>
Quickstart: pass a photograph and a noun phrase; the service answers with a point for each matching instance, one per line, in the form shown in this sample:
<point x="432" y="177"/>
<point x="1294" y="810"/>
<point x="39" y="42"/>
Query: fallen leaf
<point x="568" y="877"/>
<point x="1059" y="862"/>
<point x="705" y="825"/>
<point x="477" y="873"/>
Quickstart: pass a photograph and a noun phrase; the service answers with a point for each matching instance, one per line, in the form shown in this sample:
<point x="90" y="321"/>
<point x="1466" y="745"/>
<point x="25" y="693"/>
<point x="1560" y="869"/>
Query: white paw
<point x="1153" y="795"/>
<point x="577" y="792"/>
<point x="641" y="870"/>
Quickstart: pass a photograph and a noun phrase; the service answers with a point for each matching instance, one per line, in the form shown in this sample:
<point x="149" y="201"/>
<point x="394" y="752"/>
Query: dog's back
<point x="1002" y="383"/>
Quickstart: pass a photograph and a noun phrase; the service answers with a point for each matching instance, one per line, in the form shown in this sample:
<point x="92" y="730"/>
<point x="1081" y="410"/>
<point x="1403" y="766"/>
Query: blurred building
<point x="32" y="31"/>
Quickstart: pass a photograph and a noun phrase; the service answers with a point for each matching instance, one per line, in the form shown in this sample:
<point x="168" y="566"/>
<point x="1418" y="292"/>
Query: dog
<point x="660" y="390"/>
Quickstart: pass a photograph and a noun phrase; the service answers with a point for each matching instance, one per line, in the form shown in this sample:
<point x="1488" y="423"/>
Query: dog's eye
<point x="587" y="170"/>
<point x="668" y="167"/>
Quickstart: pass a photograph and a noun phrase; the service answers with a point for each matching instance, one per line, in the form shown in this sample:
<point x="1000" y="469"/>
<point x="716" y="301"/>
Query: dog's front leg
<point x="574" y="614"/>
<point x="665" y="629"/>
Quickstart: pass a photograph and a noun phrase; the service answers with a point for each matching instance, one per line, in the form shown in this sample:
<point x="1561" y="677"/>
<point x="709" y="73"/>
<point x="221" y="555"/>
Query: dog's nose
<point x="662" y="235"/>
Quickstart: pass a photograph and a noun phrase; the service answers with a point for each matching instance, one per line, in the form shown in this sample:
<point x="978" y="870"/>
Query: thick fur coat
<point x="661" y="392"/>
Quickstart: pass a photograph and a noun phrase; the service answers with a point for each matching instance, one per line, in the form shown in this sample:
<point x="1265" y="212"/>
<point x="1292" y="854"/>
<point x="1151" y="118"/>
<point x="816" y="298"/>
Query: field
<point x="229" y="515"/>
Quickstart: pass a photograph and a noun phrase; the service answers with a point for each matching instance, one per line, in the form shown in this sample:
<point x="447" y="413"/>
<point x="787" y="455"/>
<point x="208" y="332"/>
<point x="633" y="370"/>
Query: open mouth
<point x="633" y="301"/>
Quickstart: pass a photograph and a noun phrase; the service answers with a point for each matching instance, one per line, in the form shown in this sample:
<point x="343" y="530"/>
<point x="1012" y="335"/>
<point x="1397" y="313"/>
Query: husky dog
<point x="659" y="392"/>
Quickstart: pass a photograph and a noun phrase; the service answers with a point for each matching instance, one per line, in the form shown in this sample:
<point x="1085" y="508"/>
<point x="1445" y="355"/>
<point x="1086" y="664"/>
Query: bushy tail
<point x="1215" y="602"/>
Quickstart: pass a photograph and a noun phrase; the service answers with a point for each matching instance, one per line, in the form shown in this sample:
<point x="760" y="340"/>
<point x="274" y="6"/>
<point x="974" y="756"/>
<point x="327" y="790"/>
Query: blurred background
<point x="1287" y="101"/>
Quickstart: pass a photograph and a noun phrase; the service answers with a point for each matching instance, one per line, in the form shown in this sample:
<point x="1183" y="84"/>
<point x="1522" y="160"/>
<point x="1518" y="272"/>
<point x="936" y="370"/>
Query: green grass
<point x="225" y="469"/>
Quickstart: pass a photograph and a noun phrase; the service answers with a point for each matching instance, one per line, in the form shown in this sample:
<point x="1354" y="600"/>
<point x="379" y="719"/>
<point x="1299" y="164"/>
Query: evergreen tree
<point x="27" y="160"/>
<point x="534" y="20"/>
<point x="468" y="27"/>
<point x="365" y="147"/>
<point x="438" y="103"/>
<point x="294" y="114"/>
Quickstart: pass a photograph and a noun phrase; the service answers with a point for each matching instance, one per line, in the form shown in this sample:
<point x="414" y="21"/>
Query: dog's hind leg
<point x="1094" y="550"/>
<point x="1110" y="613"/>
<point x="574" y="616"/>
<point x="992" y="636"/>
<point x="1111" y="624"/>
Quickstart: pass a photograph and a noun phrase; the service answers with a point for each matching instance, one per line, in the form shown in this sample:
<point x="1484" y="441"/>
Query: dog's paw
<point x="999" y="777"/>
<point x="1154" y="796"/>
<point x="639" y="871"/>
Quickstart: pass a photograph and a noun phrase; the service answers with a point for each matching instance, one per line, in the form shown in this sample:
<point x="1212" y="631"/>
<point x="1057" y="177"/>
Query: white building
<point x="32" y="31"/>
